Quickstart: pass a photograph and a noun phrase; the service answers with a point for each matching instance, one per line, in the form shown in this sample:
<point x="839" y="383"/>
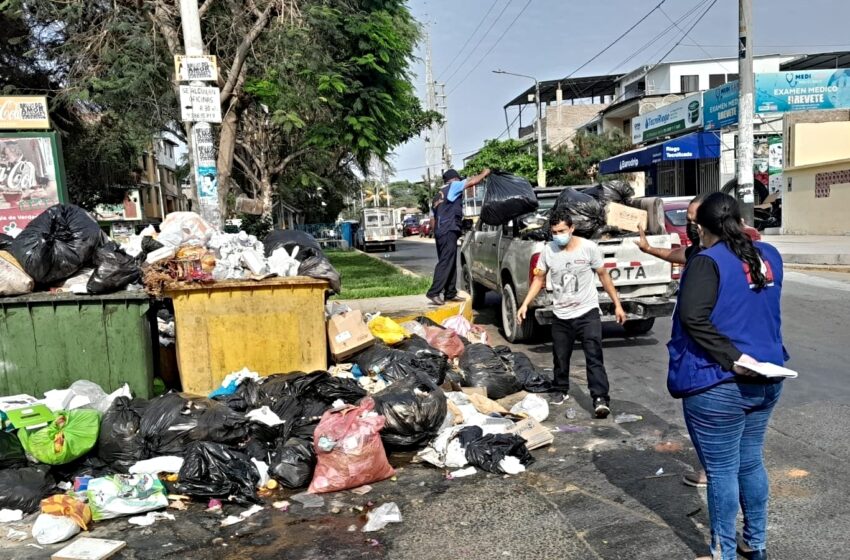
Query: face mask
<point x="692" y="232"/>
<point x="562" y="239"/>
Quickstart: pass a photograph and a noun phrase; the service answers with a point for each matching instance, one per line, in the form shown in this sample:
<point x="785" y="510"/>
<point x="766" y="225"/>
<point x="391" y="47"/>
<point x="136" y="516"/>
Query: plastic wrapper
<point x="119" y="444"/>
<point x="57" y="243"/>
<point x="446" y="341"/>
<point x="487" y="452"/>
<point x="387" y="330"/>
<point x="529" y="376"/>
<point x="414" y="327"/>
<point x="349" y="450"/>
<point x="69" y="436"/>
<point x="184" y="228"/>
<point x="393" y="364"/>
<point x="121" y="494"/>
<point x="611" y="191"/>
<point x="24" y="488"/>
<point x="459" y="324"/>
<point x="506" y="197"/>
<point x="11" y="452"/>
<point x="212" y="470"/>
<point x="13" y="280"/>
<point x="114" y="270"/>
<point x="533" y="406"/>
<point x="173" y="421"/>
<point x="483" y="367"/>
<point x="69" y="506"/>
<point x="293" y="463"/>
<point x="52" y="529"/>
<point x="414" y="408"/>
<point x="588" y="214"/>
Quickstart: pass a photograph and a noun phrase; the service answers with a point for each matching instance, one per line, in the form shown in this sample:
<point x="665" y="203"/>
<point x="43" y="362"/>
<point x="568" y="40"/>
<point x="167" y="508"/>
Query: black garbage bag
<point x="506" y="197"/>
<point x="414" y="408"/>
<point x="114" y="270"/>
<point x="393" y="364"/>
<point x="11" y="451"/>
<point x="588" y="213"/>
<point x="292" y="464"/>
<point x="428" y="322"/>
<point x="119" y="443"/>
<point x="436" y="360"/>
<point x="149" y="245"/>
<point x="314" y="263"/>
<point x="174" y="420"/>
<point x="488" y="451"/>
<point x="24" y="488"/>
<point x="212" y="470"/>
<point x="483" y="367"/>
<point x="249" y="395"/>
<point x="469" y="434"/>
<point x="528" y="375"/>
<point x="57" y="244"/>
<point x="611" y="191"/>
<point x="87" y="465"/>
<point x="5" y="241"/>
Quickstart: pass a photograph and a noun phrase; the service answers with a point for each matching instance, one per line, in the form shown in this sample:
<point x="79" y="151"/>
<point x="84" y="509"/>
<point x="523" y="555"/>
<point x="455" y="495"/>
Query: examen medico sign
<point x="808" y="90"/>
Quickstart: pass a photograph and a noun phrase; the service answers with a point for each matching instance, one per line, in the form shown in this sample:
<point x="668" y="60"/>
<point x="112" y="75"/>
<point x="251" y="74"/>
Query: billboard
<point x="782" y="92"/>
<point x="23" y="112"/>
<point x="31" y="177"/>
<point x="679" y="116"/>
<point x="720" y="106"/>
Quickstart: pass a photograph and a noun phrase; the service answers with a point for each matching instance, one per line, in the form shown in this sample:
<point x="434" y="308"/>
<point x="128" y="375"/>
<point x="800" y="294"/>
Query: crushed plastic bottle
<point x="570" y="413"/>
<point x="627" y="418"/>
<point x="381" y="516"/>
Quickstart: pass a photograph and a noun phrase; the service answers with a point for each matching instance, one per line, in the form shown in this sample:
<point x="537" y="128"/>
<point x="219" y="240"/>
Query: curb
<point x="399" y="268"/>
<point x="814" y="259"/>
<point x="400" y="308"/>
<point x="818" y="267"/>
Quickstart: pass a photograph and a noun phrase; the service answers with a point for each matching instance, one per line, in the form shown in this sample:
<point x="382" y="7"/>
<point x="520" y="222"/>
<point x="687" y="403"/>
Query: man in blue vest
<point x="448" y="216"/>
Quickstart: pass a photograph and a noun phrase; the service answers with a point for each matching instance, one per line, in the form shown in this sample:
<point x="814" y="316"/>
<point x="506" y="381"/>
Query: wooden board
<point x="87" y="548"/>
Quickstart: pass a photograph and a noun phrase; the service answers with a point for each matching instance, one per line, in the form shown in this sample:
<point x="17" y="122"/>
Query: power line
<point x="708" y="54"/>
<point x="486" y="34"/>
<point x="493" y="47"/>
<point x="472" y="35"/>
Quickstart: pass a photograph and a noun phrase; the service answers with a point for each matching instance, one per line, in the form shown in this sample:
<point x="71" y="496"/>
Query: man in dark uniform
<point x="448" y="216"/>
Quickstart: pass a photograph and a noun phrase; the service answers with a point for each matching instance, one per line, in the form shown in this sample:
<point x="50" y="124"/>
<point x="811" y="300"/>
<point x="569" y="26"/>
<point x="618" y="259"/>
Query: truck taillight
<point x="676" y="272"/>
<point x="535" y="258"/>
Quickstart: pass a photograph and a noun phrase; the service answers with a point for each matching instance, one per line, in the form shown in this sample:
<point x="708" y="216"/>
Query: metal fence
<point x="328" y="235"/>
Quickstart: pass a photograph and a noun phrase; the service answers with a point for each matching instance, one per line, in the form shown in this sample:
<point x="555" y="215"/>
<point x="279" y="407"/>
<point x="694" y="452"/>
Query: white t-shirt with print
<point x="571" y="276"/>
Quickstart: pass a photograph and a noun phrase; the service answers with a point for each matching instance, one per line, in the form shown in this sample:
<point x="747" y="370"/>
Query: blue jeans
<point x="727" y="425"/>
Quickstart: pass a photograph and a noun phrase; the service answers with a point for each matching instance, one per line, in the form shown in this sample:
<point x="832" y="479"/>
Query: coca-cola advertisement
<point x="30" y="178"/>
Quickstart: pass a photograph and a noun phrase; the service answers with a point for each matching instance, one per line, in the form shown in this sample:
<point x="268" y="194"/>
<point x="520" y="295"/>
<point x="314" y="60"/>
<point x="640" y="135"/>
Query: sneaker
<point x="601" y="408"/>
<point x="437" y="300"/>
<point x="696" y="479"/>
<point x="455" y="298"/>
<point x="558" y="398"/>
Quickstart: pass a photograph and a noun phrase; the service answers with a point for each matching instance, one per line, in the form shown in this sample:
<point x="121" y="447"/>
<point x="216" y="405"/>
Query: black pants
<point x="445" y="275"/>
<point x="588" y="328"/>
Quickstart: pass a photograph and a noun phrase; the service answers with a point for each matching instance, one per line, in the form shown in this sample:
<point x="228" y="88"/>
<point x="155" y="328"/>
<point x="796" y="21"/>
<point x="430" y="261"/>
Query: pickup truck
<point x="376" y="230"/>
<point x="498" y="258"/>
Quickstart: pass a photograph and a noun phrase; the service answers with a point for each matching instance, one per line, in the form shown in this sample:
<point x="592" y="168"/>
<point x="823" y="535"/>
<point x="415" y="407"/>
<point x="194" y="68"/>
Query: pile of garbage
<point x="79" y="456"/>
<point x="64" y="250"/>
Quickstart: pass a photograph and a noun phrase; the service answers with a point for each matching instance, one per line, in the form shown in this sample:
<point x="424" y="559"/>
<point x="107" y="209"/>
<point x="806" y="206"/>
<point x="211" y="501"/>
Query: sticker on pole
<point x="196" y="68"/>
<point x="204" y="144"/>
<point x="200" y="104"/>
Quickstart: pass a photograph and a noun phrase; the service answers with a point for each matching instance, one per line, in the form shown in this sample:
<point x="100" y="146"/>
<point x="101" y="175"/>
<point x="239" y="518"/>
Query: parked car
<point x="425" y="228"/>
<point x="410" y="227"/>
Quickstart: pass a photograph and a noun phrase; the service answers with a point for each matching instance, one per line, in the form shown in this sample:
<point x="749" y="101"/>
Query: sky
<point x="550" y="39"/>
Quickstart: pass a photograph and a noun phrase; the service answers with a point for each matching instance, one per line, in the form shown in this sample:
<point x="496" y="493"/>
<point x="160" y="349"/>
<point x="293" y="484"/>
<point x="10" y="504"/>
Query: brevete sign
<point x="25" y="112"/>
<point x="196" y="68"/>
<point x="781" y="92"/>
<point x="200" y="104"/>
<point x="720" y="106"/>
<point x="681" y="115"/>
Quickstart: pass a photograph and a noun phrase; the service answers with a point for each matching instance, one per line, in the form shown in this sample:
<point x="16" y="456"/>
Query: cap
<point x="450" y="175"/>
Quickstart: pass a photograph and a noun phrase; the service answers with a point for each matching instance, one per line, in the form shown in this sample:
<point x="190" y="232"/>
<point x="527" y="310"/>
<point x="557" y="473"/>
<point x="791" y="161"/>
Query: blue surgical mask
<point x="562" y="239"/>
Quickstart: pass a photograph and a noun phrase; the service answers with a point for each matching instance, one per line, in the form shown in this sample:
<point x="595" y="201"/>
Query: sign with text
<point x="204" y="145"/>
<point x="196" y="68"/>
<point x="782" y="92"/>
<point x="24" y="112"/>
<point x="720" y="106"/>
<point x="200" y="104"/>
<point x="679" y="116"/>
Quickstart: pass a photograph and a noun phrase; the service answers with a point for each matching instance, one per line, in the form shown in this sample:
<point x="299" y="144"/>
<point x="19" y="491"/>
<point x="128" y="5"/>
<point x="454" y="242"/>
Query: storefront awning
<point x="698" y="145"/>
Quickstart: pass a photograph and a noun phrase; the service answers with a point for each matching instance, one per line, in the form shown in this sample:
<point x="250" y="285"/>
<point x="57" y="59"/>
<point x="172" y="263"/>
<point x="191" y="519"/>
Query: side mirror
<point x="466" y="225"/>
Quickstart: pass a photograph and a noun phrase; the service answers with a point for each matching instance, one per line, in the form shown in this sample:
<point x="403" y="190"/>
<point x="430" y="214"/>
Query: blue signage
<point x="720" y="106"/>
<point x="697" y="145"/>
<point x="802" y="91"/>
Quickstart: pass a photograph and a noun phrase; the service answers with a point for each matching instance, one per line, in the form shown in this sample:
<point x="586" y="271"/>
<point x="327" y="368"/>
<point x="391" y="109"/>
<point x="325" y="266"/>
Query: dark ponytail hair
<point x="720" y="214"/>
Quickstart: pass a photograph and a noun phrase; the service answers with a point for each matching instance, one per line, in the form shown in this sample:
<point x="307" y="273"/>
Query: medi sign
<point x="802" y="91"/>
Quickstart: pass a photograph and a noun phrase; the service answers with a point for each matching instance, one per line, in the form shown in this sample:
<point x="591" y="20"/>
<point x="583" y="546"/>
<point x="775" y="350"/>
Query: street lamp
<point x="541" y="173"/>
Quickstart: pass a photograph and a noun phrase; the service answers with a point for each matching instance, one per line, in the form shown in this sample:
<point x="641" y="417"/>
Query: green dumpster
<point x="48" y="341"/>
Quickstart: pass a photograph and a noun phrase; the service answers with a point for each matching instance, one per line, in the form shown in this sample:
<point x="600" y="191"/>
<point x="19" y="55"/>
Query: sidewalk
<point x="817" y="250"/>
<point x="406" y="308"/>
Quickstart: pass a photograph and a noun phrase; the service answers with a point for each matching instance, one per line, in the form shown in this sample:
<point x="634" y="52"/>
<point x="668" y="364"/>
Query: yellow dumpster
<point x="270" y="326"/>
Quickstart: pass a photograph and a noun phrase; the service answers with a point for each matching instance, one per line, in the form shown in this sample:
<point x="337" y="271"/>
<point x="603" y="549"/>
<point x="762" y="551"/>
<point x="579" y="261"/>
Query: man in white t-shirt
<point x="569" y="266"/>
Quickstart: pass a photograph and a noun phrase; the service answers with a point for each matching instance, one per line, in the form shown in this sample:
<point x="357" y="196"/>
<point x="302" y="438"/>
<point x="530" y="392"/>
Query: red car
<point x="410" y="228"/>
<point x="676" y="220"/>
<point x="425" y="228"/>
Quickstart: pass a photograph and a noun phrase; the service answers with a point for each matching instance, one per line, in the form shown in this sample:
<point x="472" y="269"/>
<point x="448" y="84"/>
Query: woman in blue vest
<point x="729" y="312"/>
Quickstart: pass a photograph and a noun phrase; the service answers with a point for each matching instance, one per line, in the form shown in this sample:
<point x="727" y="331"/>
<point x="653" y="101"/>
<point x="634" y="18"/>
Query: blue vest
<point x="448" y="214"/>
<point x="751" y="319"/>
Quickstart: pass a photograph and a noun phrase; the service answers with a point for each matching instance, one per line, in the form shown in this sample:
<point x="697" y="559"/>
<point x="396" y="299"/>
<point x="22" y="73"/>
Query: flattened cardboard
<point x="87" y="548"/>
<point x="625" y="217"/>
<point x="348" y="334"/>
<point x="533" y="432"/>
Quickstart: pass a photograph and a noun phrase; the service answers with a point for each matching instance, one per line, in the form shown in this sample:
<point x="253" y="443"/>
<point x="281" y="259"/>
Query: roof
<point x="820" y="61"/>
<point x="572" y="88"/>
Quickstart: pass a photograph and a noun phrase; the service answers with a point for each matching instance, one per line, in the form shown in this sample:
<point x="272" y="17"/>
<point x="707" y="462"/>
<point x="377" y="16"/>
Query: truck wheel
<point x="514" y="332"/>
<point x="638" y="326"/>
<point x="392" y="248"/>
<point x="476" y="291"/>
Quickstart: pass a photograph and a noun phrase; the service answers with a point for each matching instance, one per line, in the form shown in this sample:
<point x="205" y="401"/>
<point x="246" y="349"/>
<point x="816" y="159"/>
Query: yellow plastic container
<point x="270" y="326"/>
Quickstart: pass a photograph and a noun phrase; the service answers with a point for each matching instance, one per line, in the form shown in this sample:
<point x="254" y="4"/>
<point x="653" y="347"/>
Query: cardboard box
<point x="625" y="217"/>
<point x="533" y="432"/>
<point x="348" y="335"/>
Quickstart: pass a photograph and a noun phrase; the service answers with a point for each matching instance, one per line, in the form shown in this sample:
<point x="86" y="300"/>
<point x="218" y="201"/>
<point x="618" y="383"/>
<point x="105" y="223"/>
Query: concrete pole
<point x="746" y="110"/>
<point x="541" y="173"/>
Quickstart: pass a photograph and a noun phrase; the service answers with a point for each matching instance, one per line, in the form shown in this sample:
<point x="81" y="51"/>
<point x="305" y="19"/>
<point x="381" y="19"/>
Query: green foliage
<point x="512" y="156"/>
<point x="258" y="226"/>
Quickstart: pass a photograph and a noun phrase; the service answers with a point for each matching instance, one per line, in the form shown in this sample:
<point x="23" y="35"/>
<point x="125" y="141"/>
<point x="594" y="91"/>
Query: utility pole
<point x="538" y="127"/>
<point x="746" y="109"/>
<point x="443" y="107"/>
<point x="433" y="139"/>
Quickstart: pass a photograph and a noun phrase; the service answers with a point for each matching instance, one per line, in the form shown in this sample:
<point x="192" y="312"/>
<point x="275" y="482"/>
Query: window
<point x="627" y="127"/>
<point x="716" y="80"/>
<point x="731" y="77"/>
<point x="689" y="83"/>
